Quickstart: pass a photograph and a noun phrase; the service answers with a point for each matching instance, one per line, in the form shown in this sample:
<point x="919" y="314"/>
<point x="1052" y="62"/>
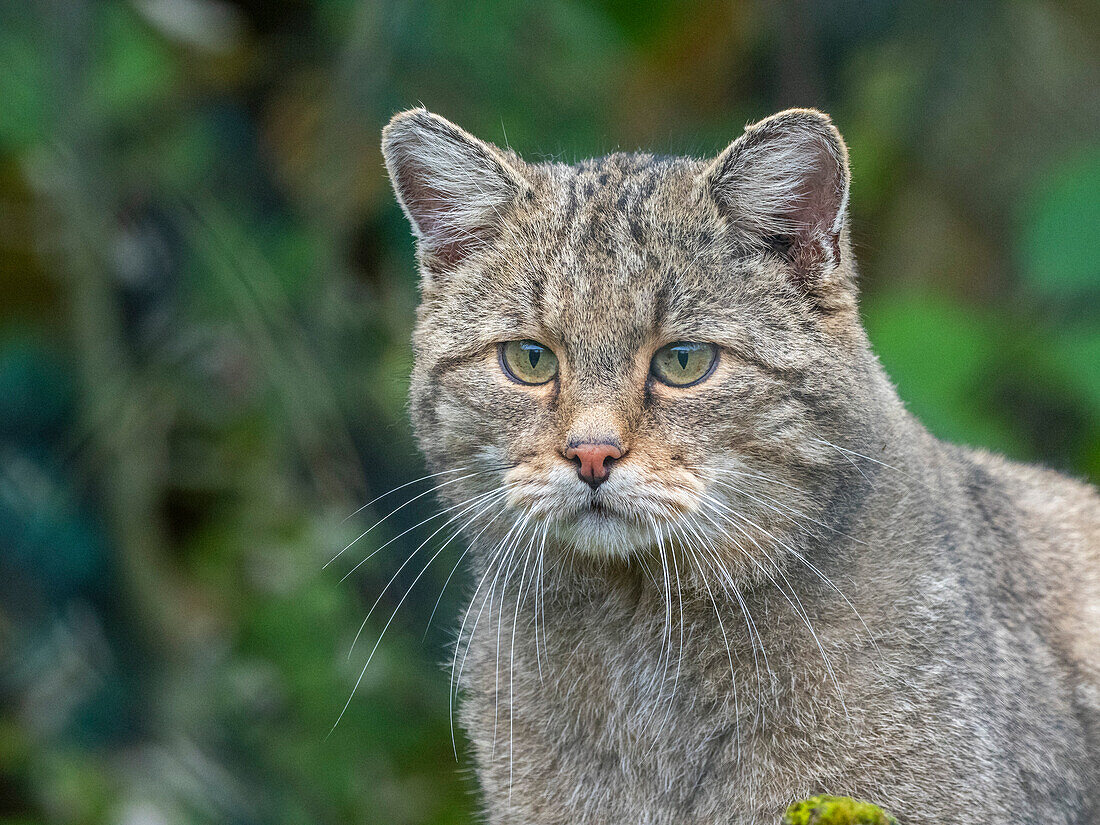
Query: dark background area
<point x="206" y="293"/>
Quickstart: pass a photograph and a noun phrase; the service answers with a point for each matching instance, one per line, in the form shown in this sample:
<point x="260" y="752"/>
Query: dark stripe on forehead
<point x="570" y="204"/>
<point x="661" y="300"/>
<point x="538" y="288"/>
<point x="633" y="178"/>
<point x="648" y="185"/>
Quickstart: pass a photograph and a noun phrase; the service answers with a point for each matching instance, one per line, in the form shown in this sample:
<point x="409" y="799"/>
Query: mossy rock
<point x="836" y="810"/>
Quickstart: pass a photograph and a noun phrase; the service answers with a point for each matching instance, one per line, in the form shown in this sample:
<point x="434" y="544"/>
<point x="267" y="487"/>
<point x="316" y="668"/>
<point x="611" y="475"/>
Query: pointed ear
<point x="451" y="185"/>
<point x="784" y="183"/>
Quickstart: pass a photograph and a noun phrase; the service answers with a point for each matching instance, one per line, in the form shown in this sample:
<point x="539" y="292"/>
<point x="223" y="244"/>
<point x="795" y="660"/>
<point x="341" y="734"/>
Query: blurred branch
<point x="79" y="208"/>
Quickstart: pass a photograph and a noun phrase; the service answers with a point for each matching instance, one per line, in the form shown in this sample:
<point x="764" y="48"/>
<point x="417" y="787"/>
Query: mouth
<point x="597" y="508"/>
<point x="613" y="520"/>
<point x="599" y="511"/>
<point x="594" y="514"/>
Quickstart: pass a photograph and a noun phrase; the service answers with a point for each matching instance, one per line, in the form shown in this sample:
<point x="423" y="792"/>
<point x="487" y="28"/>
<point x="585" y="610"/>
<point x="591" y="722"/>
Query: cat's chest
<point x="645" y="701"/>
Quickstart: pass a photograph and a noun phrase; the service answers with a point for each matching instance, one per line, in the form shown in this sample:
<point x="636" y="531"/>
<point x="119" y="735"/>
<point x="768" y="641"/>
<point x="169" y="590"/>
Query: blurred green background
<point x="206" y="292"/>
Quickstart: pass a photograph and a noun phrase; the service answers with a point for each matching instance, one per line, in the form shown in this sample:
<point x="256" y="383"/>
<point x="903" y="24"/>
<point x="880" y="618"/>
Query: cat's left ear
<point x="784" y="185"/>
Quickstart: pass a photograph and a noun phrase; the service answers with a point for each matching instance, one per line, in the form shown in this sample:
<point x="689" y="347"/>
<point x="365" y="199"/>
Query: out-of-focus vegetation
<point x="836" y="810"/>
<point x="206" y="291"/>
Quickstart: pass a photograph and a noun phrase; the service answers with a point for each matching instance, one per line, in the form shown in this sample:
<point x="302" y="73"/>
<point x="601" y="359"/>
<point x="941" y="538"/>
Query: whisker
<point x="402" y="507"/>
<point x="512" y="564"/>
<point x="538" y="592"/>
<point x="504" y="555"/>
<point x="731" y="587"/>
<point x="775" y="505"/>
<point x="788" y="548"/>
<point x="759" y="477"/>
<point x="689" y="524"/>
<point x="377" y="643"/>
<point x="496" y="557"/>
<point x="469" y="545"/>
<point x="408" y="530"/>
<point x="492" y="497"/>
<point x="798" y="608"/>
<point x="520" y="597"/>
<point x="666" y="654"/>
<point x="680" y="602"/>
<point x="378" y="498"/>
<point x="846" y="451"/>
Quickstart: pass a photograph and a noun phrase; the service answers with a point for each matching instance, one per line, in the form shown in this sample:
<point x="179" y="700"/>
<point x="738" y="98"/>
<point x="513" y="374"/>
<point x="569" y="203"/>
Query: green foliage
<point x="134" y="69"/>
<point x="836" y="810"/>
<point x="1060" y="247"/>
<point x="934" y="344"/>
<point x="23" y="88"/>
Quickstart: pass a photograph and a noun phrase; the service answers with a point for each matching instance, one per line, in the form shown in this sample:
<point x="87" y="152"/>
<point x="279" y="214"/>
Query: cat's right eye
<point x="528" y="362"/>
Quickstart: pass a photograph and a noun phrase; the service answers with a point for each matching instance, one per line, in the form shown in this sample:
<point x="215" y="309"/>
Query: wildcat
<point x="718" y="566"/>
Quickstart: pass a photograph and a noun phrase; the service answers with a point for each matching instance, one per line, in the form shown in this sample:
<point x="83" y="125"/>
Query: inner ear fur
<point x="784" y="184"/>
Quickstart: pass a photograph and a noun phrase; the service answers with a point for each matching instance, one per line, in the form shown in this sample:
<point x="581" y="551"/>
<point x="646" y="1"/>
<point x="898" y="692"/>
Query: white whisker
<point x="378" y="498"/>
<point x="381" y="635"/>
<point x="349" y="545"/>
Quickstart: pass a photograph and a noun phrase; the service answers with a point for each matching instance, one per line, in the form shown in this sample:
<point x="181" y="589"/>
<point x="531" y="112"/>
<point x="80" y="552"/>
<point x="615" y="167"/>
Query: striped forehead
<point x="613" y="254"/>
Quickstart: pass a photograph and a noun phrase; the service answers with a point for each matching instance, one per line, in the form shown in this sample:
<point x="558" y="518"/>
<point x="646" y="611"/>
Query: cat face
<point x="632" y="350"/>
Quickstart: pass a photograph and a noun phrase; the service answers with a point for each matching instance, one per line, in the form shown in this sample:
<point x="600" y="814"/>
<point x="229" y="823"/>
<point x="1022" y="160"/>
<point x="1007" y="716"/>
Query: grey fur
<point x="658" y="665"/>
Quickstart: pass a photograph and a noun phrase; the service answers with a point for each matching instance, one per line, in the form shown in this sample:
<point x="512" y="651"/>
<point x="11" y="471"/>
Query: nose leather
<point x="593" y="461"/>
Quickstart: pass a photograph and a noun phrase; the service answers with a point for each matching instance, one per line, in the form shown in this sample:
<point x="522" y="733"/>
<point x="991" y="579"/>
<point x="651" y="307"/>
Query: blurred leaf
<point x="24" y="84"/>
<point x="941" y="356"/>
<point x="1060" y="241"/>
<point x="134" y="69"/>
<point x="1076" y="350"/>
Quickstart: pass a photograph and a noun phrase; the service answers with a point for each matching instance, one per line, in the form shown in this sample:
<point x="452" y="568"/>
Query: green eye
<point x="683" y="363"/>
<point x="528" y="362"/>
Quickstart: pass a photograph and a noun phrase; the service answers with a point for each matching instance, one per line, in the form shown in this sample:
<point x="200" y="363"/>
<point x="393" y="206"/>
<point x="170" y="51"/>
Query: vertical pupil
<point x="534" y="353"/>
<point x="682" y="357"/>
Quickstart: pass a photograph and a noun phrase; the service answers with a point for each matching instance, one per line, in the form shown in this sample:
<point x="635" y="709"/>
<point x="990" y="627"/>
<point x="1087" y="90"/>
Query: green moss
<point x="836" y="810"/>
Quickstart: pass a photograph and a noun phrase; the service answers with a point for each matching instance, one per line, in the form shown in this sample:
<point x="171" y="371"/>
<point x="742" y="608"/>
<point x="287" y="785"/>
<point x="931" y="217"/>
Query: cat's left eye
<point x="528" y="362"/>
<point x="683" y="363"/>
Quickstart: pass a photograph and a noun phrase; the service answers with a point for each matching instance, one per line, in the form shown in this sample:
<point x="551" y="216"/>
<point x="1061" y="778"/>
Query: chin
<point x="601" y="532"/>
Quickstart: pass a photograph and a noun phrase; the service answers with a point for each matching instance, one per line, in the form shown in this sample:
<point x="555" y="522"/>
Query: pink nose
<point x="593" y="461"/>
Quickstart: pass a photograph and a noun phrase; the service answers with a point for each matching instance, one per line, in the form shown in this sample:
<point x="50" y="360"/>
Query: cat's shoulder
<point x="1071" y="503"/>
<point x="1054" y="521"/>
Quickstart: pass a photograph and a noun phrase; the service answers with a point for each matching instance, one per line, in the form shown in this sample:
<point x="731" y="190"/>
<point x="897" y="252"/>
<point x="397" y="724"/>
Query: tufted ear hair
<point x="784" y="184"/>
<point x="451" y="185"/>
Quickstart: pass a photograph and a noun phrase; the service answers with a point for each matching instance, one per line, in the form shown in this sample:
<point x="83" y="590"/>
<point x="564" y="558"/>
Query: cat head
<point x="634" y="349"/>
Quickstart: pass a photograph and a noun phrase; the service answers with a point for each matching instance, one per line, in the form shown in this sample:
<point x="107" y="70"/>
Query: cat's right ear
<point x="451" y="185"/>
